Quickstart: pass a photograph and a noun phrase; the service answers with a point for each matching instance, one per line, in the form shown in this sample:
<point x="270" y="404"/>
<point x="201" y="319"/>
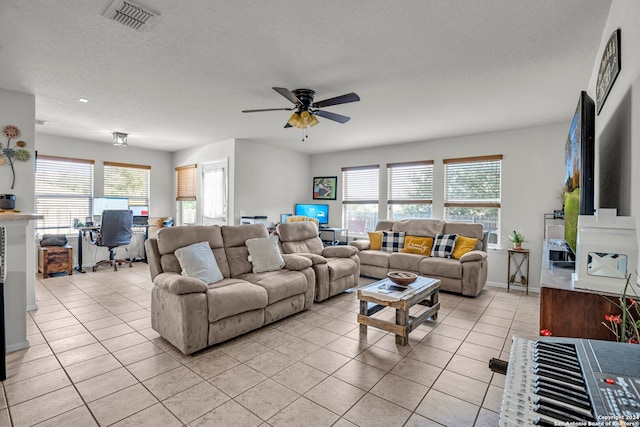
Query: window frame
<point x="135" y="200"/>
<point x="394" y="198"/>
<point x="478" y="202"/>
<point x="66" y="165"/>
<point x="360" y="195"/>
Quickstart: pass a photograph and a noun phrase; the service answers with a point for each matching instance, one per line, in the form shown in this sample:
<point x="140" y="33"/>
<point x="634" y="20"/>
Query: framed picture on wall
<point x="324" y="187"/>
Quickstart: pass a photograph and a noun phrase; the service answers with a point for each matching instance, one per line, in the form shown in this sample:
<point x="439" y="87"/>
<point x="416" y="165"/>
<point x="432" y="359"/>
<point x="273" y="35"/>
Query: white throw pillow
<point x="197" y="260"/>
<point x="264" y="254"/>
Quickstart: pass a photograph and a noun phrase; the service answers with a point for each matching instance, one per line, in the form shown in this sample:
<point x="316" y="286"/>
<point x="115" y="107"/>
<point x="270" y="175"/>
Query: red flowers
<point x="545" y="332"/>
<point x="613" y="318"/>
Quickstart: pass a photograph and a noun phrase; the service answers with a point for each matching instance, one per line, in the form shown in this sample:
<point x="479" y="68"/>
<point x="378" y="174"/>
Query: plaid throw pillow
<point x="393" y="241"/>
<point x="443" y="245"/>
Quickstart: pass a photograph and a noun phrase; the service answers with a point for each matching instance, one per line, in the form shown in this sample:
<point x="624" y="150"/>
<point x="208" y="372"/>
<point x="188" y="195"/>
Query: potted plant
<point x="517" y="239"/>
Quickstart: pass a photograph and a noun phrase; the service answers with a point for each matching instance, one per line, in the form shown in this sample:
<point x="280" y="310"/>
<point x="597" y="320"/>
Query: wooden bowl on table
<point x="402" y="278"/>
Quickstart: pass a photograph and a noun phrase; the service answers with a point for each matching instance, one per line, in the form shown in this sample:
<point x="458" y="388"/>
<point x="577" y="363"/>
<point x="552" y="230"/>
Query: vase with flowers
<point x="517" y="239"/>
<point x="13" y="154"/>
<point x="626" y="325"/>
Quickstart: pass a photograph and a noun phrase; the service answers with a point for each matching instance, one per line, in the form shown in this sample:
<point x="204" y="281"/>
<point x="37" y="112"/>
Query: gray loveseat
<point x="192" y="314"/>
<point x="466" y="276"/>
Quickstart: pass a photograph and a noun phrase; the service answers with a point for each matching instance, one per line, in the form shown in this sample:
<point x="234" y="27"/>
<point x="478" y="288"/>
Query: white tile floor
<point x="94" y="360"/>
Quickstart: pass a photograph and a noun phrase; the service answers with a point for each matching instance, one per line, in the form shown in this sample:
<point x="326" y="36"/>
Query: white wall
<point x="618" y="124"/>
<point x="270" y="180"/>
<point x="532" y="176"/>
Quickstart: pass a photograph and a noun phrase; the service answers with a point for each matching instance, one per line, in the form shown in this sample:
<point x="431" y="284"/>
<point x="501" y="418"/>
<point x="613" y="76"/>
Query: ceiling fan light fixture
<point x="295" y="120"/>
<point x="313" y="121"/>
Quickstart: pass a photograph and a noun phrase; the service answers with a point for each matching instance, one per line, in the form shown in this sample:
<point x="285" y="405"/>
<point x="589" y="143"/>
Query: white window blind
<point x="186" y="182"/>
<point x="360" y="185"/>
<point x="410" y="182"/>
<point x="63" y="192"/>
<point x="473" y="181"/>
<point x="127" y="180"/>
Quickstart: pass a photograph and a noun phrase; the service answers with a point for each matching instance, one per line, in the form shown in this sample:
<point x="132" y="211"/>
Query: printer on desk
<point x="256" y="219"/>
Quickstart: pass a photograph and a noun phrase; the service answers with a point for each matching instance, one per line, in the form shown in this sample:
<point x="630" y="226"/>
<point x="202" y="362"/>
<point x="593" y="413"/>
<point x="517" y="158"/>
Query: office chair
<point x="115" y="230"/>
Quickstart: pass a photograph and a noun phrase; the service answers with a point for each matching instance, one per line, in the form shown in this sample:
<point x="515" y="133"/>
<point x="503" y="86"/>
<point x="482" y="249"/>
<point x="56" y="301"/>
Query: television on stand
<point x="579" y="172"/>
<point x="314" y="210"/>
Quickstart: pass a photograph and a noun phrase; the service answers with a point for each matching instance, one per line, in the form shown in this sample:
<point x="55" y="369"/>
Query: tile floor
<point x="94" y="360"/>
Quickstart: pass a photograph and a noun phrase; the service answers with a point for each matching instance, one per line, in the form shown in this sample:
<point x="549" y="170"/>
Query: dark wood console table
<point x="573" y="313"/>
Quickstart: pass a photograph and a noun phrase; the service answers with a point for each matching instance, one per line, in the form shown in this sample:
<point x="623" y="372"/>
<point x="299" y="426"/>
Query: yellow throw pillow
<point x="418" y="245"/>
<point x="375" y="240"/>
<point x="463" y="245"/>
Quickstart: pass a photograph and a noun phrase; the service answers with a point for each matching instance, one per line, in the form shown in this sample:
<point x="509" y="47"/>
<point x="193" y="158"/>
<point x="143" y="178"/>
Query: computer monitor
<point x="108" y="203"/>
<point x="318" y="211"/>
<point x="140" y="210"/>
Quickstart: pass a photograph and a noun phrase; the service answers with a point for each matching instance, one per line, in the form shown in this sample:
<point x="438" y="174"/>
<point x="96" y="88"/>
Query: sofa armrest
<point x="473" y="256"/>
<point x="361" y="245"/>
<point x="315" y="259"/>
<point x="179" y="284"/>
<point x="296" y="262"/>
<point x="339" y="251"/>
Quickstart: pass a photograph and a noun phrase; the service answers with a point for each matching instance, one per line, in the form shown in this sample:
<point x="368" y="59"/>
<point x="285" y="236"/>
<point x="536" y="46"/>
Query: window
<point x="214" y="192"/>
<point x="126" y="180"/>
<point x="472" y="192"/>
<point x="410" y="189"/>
<point x="63" y="192"/>
<point x="186" y="193"/>
<point x="360" y="198"/>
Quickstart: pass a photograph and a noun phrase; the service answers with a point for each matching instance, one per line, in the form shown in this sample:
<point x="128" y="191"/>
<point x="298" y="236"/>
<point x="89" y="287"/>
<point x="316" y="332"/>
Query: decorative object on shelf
<point x="625" y="326"/>
<point x="324" y="187"/>
<point x="402" y="278"/>
<point x="517" y="239"/>
<point x="120" y="139"/>
<point x="19" y="153"/>
<point x="609" y="68"/>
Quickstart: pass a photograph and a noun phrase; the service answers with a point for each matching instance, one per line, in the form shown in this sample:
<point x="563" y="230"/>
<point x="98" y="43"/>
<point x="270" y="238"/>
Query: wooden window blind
<point x="186" y="182"/>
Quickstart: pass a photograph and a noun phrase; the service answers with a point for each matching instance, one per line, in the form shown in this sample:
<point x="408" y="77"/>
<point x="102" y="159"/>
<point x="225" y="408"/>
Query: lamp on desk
<point x="120" y="139"/>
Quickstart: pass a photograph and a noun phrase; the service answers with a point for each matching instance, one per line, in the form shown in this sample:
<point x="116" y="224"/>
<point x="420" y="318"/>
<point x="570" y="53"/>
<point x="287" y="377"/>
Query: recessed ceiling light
<point x="83" y="100"/>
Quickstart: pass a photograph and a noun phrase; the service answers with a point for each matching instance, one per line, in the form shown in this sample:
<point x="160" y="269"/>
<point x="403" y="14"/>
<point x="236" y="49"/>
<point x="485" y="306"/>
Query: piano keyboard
<point x="556" y="383"/>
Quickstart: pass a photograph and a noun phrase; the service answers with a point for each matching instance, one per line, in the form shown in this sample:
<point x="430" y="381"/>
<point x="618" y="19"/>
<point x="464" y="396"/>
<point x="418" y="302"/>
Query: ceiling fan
<point x="306" y="110"/>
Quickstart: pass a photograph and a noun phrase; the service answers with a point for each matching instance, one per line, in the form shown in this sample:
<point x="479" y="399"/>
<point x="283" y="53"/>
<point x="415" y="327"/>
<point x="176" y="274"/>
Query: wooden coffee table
<point x="423" y="291"/>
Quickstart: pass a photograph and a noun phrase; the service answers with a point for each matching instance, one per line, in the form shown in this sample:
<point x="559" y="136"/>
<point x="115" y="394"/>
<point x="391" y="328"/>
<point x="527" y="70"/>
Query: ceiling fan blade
<point x="267" y="109"/>
<point x="287" y="125"/>
<point x="287" y="94"/>
<point x="332" y="116"/>
<point x="342" y="99"/>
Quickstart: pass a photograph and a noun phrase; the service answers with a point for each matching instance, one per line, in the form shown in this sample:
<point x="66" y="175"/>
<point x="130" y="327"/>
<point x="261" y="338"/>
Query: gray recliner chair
<point x="337" y="268"/>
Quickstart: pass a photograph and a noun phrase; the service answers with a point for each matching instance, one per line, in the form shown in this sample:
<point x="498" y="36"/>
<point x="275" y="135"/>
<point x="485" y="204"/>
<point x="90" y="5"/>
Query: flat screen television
<point x="318" y="211"/>
<point x="105" y="203"/>
<point x="579" y="158"/>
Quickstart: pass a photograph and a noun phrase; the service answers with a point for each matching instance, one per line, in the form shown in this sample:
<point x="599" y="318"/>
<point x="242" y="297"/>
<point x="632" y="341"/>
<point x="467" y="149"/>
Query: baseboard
<point x="533" y="289"/>
<point x="17" y="346"/>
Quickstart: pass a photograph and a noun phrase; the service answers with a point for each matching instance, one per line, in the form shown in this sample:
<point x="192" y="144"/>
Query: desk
<point x="83" y="230"/>
<point x="81" y="233"/>
<point x="334" y="230"/>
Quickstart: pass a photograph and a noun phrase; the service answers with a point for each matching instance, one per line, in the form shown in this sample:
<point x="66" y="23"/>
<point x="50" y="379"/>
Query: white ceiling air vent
<point x="131" y="15"/>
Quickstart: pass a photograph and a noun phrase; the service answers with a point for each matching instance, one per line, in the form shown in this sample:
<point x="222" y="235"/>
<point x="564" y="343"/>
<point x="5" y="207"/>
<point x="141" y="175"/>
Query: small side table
<point x="519" y="264"/>
<point x="55" y="259"/>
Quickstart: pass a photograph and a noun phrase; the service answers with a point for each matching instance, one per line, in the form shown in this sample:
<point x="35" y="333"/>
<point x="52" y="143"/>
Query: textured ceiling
<point x="424" y="69"/>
